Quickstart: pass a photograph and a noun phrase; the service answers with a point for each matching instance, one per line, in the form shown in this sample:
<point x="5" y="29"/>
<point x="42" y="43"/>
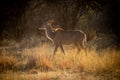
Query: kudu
<point x="59" y="37"/>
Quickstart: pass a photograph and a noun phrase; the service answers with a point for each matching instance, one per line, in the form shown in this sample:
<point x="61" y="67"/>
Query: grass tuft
<point x="7" y="62"/>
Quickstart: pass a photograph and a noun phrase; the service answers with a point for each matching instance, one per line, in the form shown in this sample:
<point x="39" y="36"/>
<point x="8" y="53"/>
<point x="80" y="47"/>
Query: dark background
<point x="19" y="18"/>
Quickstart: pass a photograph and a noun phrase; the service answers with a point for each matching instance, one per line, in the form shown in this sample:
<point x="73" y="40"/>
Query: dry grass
<point x="106" y="61"/>
<point x="7" y="62"/>
<point x="39" y="59"/>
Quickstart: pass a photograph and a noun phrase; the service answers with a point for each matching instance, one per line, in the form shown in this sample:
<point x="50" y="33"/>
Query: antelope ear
<point x="53" y="30"/>
<point x="41" y="28"/>
<point x="51" y="21"/>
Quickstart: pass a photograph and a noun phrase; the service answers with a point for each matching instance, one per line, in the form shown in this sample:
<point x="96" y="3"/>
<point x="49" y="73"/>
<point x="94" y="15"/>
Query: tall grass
<point x="106" y="61"/>
<point x="89" y="61"/>
<point x="7" y="62"/>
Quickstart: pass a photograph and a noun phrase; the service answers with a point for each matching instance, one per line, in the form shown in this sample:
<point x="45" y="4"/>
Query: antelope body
<point x="60" y="37"/>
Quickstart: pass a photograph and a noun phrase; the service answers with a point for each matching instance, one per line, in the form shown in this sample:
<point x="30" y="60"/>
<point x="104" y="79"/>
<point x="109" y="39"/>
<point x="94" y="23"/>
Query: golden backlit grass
<point x="106" y="61"/>
<point x="41" y="58"/>
<point x="7" y="62"/>
<point x="37" y="63"/>
<point x="90" y="60"/>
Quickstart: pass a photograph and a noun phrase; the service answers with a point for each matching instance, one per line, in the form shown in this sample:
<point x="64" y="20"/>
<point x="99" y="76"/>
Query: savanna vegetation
<point x="36" y="63"/>
<point x="25" y="52"/>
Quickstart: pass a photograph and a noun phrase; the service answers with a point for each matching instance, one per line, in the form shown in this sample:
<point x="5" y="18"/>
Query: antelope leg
<point x="78" y="48"/>
<point x="55" y="50"/>
<point x="62" y="49"/>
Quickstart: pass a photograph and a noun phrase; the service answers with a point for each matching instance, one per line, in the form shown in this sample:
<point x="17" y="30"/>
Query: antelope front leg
<point x="62" y="49"/>
<point x="55" y="50"/>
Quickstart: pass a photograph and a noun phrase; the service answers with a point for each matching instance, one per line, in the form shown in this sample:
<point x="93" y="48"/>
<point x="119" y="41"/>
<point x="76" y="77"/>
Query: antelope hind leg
<point x="78" y="48"/>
